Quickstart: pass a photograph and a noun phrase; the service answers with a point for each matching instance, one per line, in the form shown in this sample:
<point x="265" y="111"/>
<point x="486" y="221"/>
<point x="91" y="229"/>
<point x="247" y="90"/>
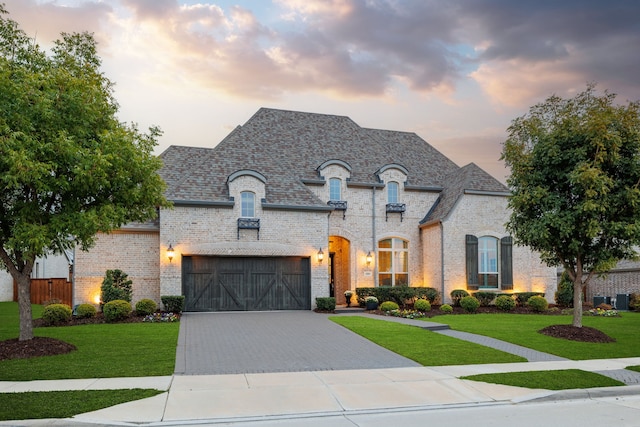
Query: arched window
<point x="392" y="192"/>
<point x="335" y="189"/>
<point x="393" y="262"/>
<point x="488" y="262"/>
<point x="248" y="204"/>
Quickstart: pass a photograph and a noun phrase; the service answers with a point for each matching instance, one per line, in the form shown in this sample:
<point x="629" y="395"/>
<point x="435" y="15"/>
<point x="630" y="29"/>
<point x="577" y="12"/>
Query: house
<point x="292" y="206"/>
<point x="51" y="266"/>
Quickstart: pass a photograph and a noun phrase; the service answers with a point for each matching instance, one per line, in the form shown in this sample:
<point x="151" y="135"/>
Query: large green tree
<point x="69" y="169"/>
<point x="575" y="183"/>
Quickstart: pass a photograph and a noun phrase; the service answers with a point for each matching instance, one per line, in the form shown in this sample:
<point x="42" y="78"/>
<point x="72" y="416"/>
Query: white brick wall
<point x="135" y="253"/>
<point x="486" y="215"/>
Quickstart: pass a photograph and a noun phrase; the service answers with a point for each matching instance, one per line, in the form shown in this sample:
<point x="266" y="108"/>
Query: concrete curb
<point x="583" y="393"/>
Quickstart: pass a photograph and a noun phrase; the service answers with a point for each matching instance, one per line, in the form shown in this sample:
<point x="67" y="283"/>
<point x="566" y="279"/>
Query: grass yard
<point x="425" y="347"/>
<point x="549" y="380"/>
<point x="104" y="350"/>
<point x="522" y="329"/>
<point x="64" y="404"/>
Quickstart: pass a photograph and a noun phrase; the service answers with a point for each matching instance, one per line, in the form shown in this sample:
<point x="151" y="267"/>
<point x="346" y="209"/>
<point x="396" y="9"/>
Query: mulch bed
<point x="38" y="346"/>
<point x="584" y="334"/>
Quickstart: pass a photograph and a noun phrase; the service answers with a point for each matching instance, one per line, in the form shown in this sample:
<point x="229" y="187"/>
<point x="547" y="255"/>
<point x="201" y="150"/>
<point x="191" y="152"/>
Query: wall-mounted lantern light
<point x="320" y="256"/>
<point x="170" y="252"/>
<point x="369" y="258"/>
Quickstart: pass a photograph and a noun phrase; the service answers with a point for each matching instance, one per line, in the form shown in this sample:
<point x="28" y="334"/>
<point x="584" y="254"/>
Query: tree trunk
<point x="577" y="297"/>
<point x="24" y="304"/>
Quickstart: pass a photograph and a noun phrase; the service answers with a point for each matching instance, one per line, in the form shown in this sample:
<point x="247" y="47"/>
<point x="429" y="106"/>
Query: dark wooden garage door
<point x="246" y="284"/>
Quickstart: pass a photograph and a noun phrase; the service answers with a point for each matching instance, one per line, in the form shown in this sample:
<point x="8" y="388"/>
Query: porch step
<point x="344" y="309"/>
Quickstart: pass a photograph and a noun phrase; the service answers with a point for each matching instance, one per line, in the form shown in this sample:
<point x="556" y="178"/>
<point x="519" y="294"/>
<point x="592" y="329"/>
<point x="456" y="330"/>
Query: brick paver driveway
<point x="285" y="341"/>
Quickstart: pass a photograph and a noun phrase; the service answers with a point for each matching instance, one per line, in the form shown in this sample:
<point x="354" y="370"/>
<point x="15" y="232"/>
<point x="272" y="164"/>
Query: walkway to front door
<point x="283" y="341"/>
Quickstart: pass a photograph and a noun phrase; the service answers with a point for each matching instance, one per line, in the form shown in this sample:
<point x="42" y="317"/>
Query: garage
<point x="216" y="283"/>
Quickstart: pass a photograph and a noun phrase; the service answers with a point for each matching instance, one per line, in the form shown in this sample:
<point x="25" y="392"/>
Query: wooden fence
<point x="43" y="290"/>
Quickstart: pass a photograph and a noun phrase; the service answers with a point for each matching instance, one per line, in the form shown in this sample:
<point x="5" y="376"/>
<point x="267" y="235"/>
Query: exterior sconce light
<point x="369" y="258"/>
<point x="170" y="252"/>
<point x="320" y="256"/>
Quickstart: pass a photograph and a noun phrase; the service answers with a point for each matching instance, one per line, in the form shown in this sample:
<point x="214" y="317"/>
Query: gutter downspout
<point x="373" y="236"/>
<point x="442" y="260"/>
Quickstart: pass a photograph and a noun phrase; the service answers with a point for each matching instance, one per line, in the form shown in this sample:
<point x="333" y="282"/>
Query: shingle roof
<point x="288" y="146"/>
<point x="469" y="178"/>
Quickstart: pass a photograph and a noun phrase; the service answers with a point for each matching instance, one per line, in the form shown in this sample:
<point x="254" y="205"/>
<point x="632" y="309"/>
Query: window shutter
<point x="472" y="262"/>
<point x="506" y="263"/>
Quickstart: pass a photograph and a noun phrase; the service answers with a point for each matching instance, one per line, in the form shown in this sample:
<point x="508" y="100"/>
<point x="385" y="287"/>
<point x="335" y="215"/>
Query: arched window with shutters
<point x="489" y="262"/>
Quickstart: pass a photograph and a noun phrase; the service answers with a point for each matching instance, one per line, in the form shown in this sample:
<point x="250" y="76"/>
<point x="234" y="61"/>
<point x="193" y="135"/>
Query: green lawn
<point x="549" y="380"/>
<point x="522" y="329"/>
<point x="104" y="351"/>
<point x="64" y="404"/>
<point x="425" y="347"/>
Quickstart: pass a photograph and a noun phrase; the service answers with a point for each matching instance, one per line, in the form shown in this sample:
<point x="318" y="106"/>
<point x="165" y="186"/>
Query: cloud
<point x="527" y="50"/>
<point x="45" y="21"/>
<point x="516" y="51"/>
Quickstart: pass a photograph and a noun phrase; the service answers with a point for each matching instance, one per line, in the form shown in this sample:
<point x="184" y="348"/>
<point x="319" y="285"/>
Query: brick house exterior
<point x="252" y="216"/>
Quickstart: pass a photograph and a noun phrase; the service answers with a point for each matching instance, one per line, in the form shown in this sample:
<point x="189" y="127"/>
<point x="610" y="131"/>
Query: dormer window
<point x="393" y="203"/>
<point x="248" y="204"/>
<point x="335" y="189"/>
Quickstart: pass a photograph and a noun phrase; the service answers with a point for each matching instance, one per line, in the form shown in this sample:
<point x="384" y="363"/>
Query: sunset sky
<point x="455" y="72"/>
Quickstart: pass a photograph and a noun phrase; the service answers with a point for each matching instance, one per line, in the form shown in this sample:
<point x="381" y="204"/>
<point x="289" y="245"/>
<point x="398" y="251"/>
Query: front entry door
<point x="332" y="284"/>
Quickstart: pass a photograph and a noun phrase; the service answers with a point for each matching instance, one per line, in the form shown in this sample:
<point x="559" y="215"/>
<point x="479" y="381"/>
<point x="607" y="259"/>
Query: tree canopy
<point x="69" y="169"/>
<point x="575" y="183"/>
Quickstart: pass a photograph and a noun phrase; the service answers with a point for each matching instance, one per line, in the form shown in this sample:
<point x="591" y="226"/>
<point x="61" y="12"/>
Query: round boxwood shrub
<point x="388" y="306"/>
<point x="85" y="311"/>
<point x="56" y="314"/>
<point x="470" y="304"/>
<point x="505" y="303"/>
<point x="116" y="310"/>
<point x="538" y="303"/>
<point x="422" y="305"/>
<point x="457" y="295"/>
<point x="446" y="308"/>
<point x="146" y="306"/>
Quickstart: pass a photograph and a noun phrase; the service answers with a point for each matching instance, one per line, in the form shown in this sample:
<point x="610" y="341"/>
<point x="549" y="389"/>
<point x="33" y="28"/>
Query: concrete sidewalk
<point x="227" y="398"/>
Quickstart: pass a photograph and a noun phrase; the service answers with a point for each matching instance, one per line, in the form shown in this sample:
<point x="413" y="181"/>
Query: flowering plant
<point x="407" y="314"/>
<point x="371" y="299"/>
<point x="603" y="313"/>
<point x="161" y="318"/>
<point x="348" y="293"/>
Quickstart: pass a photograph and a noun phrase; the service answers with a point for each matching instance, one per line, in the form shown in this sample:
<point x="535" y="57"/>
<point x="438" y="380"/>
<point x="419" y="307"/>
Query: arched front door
<point x="339" y="268"/>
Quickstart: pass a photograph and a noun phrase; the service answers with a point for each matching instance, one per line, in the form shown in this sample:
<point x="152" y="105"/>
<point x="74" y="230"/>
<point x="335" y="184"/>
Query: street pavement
<point x="328" y="394"/>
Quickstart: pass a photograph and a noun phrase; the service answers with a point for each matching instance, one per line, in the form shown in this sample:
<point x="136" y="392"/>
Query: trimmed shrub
<point x="538" y="303"/>
<point x="173" y="303"/>
<point x="56" y="314"/>
<point x="422" y="305"/>
<point x="430" y="294"/>
<point x="523" y="297"/>
<point x="564" y="295"/>
<point x="446" y="308"/>
<point x="115" y="286"/>
<point x="146" y="306"/>
<point x="388" y="306"/>
<point x="326" y="303"/>
<point x="116" y="310"/>
<point x="85" y="311"/>
<point x="485" y="297"/>
<point x="634" y="302"/>
<point x="457" y="295"/>
<point x="470" y="304"/>
<point x="505" y="303"/>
